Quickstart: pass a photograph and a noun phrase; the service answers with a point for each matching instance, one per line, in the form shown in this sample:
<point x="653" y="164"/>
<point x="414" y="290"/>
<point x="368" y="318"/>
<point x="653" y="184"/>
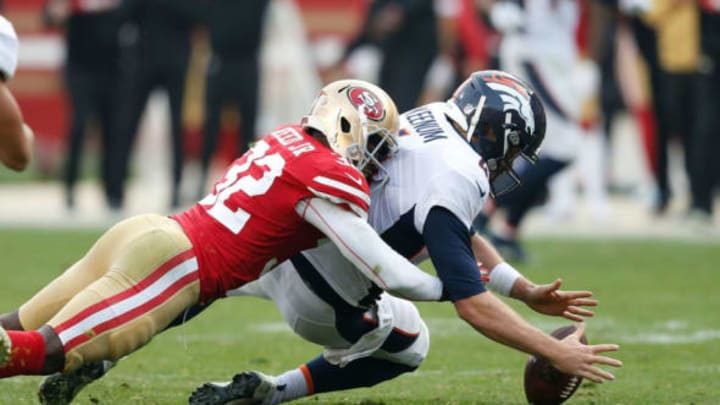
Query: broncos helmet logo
<point x="512" y="99"/>
<point x="367" y="101"/>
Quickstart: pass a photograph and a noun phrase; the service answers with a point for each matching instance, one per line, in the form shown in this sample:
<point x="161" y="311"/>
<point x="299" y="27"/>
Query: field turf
<point x="658" y="299"/>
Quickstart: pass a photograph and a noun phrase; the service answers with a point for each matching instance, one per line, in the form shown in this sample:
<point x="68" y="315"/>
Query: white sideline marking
<point x="671" y="338"/>
<point x="664" y="333"/>
<point x="272" y="327"/>
<point x="708" y="368"/>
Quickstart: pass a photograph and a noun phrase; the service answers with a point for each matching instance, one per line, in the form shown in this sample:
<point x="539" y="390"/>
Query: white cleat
<point x="5" y="347"/>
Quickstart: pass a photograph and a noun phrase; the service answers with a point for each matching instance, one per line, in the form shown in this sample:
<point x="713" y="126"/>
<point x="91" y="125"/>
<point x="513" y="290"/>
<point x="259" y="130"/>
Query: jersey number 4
<point x="235" y="182"/>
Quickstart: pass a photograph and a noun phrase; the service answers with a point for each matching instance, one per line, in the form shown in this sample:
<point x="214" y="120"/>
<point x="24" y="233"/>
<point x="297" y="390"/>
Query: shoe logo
<point x="357" y="180"/>
<point x="281" y="387"/>
<point x="482" y="191"/>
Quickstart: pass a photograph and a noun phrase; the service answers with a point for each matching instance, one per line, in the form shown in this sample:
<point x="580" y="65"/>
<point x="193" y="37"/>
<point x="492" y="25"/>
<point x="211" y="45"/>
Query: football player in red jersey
<point x="427" y="195"/>
<point x="293" y="188"/>
<point x="16" y="138"/>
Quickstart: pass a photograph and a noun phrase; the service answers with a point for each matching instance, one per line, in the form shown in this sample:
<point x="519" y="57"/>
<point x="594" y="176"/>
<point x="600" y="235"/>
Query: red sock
<point x="27" y="356"/>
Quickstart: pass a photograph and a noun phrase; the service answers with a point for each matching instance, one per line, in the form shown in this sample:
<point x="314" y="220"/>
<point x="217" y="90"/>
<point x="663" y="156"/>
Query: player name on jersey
<point x="425" y="124"/>
<point x="290" y="137"/>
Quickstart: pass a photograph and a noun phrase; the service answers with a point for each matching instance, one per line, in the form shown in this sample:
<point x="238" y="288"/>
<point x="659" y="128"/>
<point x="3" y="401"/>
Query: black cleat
<point x="248" y="388"/>
<point x="61" y="389"/>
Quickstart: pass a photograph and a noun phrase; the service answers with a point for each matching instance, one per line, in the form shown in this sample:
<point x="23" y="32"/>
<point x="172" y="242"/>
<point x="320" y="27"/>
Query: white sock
<point x="295" y="387"/>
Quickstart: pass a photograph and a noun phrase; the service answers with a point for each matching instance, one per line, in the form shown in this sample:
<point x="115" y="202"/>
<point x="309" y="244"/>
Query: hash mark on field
<point x="664" y="333"/>
<point x="708" y="368"/>
<point x="671" y="338"/>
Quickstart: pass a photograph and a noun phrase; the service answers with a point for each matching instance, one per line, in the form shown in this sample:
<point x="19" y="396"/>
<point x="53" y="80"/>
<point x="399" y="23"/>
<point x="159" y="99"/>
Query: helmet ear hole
<point x="344" y="124"/>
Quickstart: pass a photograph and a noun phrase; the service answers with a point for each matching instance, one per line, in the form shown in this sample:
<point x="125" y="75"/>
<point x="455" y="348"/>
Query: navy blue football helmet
<point x="502" y="118"/>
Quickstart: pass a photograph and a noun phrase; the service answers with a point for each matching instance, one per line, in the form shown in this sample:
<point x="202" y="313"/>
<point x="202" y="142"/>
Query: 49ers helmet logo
<point x="369" y="102"/>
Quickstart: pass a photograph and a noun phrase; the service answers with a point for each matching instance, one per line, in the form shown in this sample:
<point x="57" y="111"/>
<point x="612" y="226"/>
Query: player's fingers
<point x="584" y="302"/>
<point x="569" y="315"/>
<point x="587" y="374"/>
<point x="572" y="295"/>
<point x="580" y="311"/>
<point x="608" y="361"/>
<point x="606" y="347"/>
<point x="579" y="331"/>
<point x="602" y="374"/>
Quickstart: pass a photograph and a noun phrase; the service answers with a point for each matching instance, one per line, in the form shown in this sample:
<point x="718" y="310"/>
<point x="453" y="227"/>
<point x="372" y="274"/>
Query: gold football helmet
<point x="359" y="120"/>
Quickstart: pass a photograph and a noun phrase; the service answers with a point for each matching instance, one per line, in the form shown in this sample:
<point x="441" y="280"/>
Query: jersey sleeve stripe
<point x="337" y="200"/>
<point x="326" y="181"/>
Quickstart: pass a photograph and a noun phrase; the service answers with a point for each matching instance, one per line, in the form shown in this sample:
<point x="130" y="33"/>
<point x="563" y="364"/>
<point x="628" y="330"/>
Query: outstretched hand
<point x="579" y="359"/>
<point x="548" y="299"/>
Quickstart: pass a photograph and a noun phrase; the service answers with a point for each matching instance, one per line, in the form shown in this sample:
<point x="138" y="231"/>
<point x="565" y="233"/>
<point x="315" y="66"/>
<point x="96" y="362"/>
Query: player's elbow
<point x="16" y="144"/>
<point x="17" y="161"/>
<point x="18" y="165"/>
<point x="471" y="309"/>
<point x="465" y="312"/>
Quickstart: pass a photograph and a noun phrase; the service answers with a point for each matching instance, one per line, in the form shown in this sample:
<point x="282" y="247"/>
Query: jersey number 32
<point x="238" y="180"/>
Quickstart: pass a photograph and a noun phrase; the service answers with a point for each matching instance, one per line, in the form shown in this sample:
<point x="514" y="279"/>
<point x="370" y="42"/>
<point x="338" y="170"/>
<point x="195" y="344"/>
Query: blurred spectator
<point x="676" y="23"/>
<point x="651" y="118"/>
<point x="706" y="141"/>
<point x="156" y="52"/>
<point x="16" y="138"/>
<point x="406" y="31"/>
<point x="474" y="40"/>
<point x="233" y="76"/>
<point x="539" y="45"/>
<point x="606" y="27"/>
<point x="91" y="36"/>
<point x="452" y="43"/>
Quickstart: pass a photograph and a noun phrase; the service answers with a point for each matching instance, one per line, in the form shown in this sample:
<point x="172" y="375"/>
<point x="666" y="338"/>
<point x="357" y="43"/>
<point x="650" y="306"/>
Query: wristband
<point x="502" y="278"/>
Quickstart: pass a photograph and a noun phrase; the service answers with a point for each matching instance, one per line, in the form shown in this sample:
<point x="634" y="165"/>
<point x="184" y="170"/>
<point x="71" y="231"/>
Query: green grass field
<point x="659" y="300"/>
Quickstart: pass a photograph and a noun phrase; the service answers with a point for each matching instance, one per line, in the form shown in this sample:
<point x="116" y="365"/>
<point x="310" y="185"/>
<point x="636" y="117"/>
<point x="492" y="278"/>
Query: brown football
<point x="546" y="385"/>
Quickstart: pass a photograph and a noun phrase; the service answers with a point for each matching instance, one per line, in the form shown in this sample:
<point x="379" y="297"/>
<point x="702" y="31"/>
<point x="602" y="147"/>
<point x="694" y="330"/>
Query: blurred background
<point x="137" y="105"/>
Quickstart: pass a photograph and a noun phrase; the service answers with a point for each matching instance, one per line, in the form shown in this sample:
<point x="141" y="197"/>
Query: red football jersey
<point x="248" y="224"/>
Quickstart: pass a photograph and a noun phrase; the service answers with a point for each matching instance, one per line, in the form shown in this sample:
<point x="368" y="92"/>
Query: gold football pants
<point x="137" y="278"/>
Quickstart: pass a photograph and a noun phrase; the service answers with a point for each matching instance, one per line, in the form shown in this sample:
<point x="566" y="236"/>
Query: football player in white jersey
<point x="425" y="195"/>
<point x="450" y="158"/>
<point x="16" y="138"/>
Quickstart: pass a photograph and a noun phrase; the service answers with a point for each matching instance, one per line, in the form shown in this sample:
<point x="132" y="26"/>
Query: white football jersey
<point x="8" y="48"/>
<point x="434" y="166"/>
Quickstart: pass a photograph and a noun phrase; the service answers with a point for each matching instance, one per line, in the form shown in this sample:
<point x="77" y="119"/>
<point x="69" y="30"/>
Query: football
<point x="546" y="385"/>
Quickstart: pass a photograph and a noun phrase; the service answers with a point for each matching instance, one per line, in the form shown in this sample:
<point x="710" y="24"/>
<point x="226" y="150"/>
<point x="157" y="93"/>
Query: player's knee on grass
<point x="413" y="355"/>
<point x="409" y="341"/>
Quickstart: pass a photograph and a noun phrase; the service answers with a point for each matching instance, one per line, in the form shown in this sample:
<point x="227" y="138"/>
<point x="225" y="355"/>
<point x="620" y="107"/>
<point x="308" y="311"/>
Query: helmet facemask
<point x="379" y="144"/>
<point x="503" y="177"/>
<point x="505" y="119"/>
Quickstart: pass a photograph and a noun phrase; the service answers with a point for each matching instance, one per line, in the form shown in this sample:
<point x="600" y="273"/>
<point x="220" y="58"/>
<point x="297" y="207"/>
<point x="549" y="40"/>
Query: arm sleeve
<point x="8" y="49"/>
<point x="364" y="248"/>
<point x="448" y="243"/>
